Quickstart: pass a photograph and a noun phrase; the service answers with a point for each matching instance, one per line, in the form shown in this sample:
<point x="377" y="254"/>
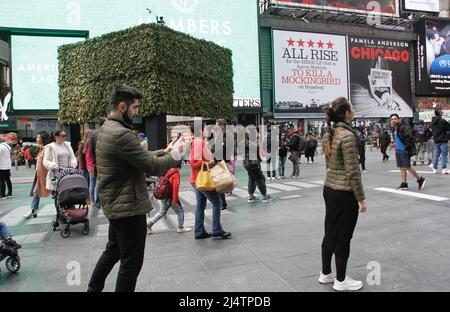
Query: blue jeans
<point x="36" y="199"/>
<point x="440" y="149"/>
<point x="214" y="198"/>
<point x="165" y="204"/>
<point x="93" y="189"/>
<point x="4" y="231"/>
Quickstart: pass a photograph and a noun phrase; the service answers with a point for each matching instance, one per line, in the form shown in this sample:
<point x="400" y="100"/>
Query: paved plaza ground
<point x="275" y="247"/>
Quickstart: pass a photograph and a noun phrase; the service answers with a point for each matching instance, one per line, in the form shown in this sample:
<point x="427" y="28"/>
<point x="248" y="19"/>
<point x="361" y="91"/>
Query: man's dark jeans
<point x="127" y="244"/>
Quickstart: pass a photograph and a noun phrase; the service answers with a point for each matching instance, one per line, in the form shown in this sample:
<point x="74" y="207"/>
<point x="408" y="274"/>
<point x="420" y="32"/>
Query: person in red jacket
<point x="172" y="202"/>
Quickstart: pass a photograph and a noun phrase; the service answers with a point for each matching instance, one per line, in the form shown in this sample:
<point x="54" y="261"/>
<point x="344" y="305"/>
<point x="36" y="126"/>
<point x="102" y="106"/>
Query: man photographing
<point x="121" y="166"/>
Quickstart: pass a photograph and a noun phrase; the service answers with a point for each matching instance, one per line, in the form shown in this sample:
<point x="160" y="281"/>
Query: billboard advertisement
<point x="380" y="77"/>
<point x="232" y="24"/>
<point x="433" y="52"/>
<point x="421" y="5"/>
<point x="379" y="7"/>
<point x="310" y="70"/>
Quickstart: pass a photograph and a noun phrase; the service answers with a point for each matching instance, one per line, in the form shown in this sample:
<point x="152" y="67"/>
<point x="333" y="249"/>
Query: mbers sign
<point x="231" y="23"/>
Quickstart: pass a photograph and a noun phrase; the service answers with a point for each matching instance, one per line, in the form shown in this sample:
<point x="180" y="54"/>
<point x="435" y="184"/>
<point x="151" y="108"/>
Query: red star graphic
<point x="310" y="44"/>
<point x="330" y="44"/>
<point x="320" y="44"/>
<point x="301" y="43"/>
<point x="291" y="42"/>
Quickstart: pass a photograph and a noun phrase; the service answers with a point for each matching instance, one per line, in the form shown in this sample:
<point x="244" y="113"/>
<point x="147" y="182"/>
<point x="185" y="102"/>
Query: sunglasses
<point x="63" y="136"/>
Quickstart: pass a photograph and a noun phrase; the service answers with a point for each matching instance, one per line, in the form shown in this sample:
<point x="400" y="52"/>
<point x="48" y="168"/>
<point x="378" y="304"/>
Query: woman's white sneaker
<point x="326" y="279"/>
<point x="349" y="284"/>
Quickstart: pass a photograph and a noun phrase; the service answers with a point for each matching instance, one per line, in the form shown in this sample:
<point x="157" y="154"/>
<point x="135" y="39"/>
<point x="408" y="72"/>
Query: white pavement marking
<point x="321" y="182"/>
<point x="283" y="187"/>
<point x="421" y="172"/>
<point x="272" y="190"/>
<point x="412" y="194"/>
<point x="301" y="184"/>
<point x="240" y="192"/>
<point x="188" y="197"/>
<point x="102" y="229"/>
<point x="30" y="238"/>
<point x="290" y="197"/>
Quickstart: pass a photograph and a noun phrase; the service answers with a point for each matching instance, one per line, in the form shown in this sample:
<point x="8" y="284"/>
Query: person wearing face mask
<point x="121" y="168"/>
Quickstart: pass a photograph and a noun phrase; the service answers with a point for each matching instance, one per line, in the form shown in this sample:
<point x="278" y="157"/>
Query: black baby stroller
<point x="70" y="201"/>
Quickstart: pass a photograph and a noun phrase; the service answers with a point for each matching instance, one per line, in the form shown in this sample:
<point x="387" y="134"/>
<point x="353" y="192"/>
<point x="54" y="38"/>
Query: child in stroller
<point x="8" y="249"/>
<point x="70" y="197"/>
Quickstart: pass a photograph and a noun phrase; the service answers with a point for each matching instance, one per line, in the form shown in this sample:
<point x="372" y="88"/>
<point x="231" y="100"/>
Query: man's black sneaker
<point x="421" y="183"/>
<point x="223" y="235"/>
<point x="403" y="187"/>
<point x="224" y="209"/>
<point x="203" y="236"/>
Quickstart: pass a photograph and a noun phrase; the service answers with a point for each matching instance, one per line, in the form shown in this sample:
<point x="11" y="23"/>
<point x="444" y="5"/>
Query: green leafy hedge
<point x="177" y="74"/>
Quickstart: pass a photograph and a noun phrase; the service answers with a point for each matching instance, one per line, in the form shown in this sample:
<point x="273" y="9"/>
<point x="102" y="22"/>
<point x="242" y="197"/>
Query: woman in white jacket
<point x="58" y="156"/>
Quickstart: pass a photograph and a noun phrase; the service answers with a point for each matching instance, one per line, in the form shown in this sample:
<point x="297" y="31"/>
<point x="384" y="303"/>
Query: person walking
<point x="270" y="159"/>
<point x="311" y="147"/>
<point x="92" y="147"/>
<point x="57" y="157"/>
<point x="404" y="150"/>
<point x="172" y="201"/>
<point x="91" y="169"/>
<point x="440" y="127"/>
<point x="361" y="140"/>
<point x="343" y="194"/>
<point x="423" y="134"/>
<point x="256" y="178"/>
<point x="385" y="141"/>
<point x="81" y="155"/>
<point x="39" y="189"/>
<point x="5" y="169"/>
<point x="200" y="153"/>
<point x="296" y="147"/>
<point x="282" y="154"/>
<point x="121" y="167"/>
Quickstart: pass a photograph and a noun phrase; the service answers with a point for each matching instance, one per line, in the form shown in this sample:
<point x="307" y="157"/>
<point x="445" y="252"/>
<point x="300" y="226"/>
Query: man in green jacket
<point x="121" y="167"/>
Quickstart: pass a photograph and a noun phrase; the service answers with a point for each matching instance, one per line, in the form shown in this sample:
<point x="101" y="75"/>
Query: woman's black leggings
<point x="340" y="222"/>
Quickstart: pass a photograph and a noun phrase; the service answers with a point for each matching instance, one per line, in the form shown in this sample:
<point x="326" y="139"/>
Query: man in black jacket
<point x="404" y="150"/>
<point x="440" y="127"/>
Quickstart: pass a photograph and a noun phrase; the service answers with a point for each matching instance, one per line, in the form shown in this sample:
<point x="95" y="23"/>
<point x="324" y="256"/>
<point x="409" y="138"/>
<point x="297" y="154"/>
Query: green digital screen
<point x="35" y="71"/>
<point x="231" y="23"/>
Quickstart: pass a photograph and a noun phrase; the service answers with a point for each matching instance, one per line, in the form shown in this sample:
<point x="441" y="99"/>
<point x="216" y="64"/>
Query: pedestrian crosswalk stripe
<point x="31" y="238"/>
<point x="421" y="172"/>
<point x="291" y="197"/>
<point x="320" y="182"/>
<point x="272" y="190"/>
<point x="412" y="194"/>
<point x="188" y="197"/>
<point x="301" y="184"/>
<point x="102" y="229"/>
<point x="283" y="187"/>
<point x="239" y="192"/>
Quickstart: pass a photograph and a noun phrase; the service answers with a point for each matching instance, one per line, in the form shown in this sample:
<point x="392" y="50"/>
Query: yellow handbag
<point x="204" y="181"/>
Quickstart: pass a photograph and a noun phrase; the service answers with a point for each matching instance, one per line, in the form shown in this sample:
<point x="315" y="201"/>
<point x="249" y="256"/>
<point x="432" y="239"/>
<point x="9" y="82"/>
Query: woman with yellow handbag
<point x="201" y="159"/>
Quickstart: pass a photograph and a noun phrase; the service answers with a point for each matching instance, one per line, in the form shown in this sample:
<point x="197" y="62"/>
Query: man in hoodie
<point x="5" y="168"/>
<point x="440" y="127"/>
